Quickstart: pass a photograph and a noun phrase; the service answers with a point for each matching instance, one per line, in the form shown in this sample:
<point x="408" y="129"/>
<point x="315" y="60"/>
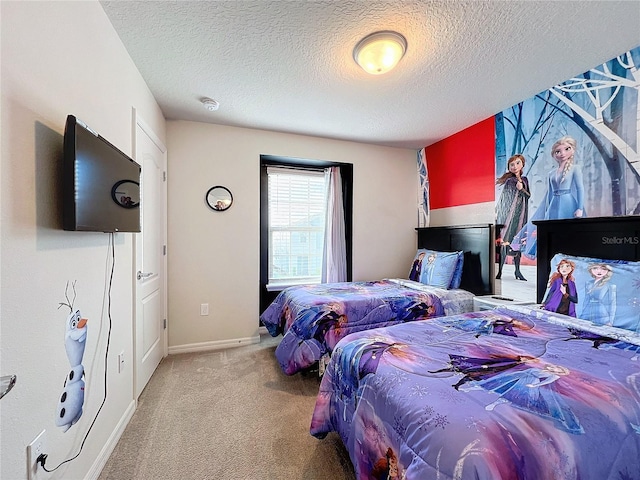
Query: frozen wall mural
<point x="580" y="146"/>
<point x="71" y="400"/>
<point x="423" y="189"/>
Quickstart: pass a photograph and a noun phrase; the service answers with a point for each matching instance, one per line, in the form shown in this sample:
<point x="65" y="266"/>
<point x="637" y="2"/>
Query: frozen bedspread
<point x="500" y="394"/>
<point x="313" y="318"/>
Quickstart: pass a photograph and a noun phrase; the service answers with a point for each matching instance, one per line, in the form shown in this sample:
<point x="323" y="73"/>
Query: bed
<point x="514" y="392"/>
<point x="313" y="318"/>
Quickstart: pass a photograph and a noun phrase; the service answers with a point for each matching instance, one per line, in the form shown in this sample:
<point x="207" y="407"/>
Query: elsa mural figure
<point x="599" y="304"/>
<point x="564" y="197"/>
<point x="565" y="190"/>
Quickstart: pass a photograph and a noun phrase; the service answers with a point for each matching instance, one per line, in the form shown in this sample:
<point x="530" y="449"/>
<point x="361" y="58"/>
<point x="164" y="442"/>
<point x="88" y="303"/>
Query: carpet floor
<point x="228" y="414"/>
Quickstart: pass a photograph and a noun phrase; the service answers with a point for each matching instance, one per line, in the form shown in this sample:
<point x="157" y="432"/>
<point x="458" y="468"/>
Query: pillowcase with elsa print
<point x="607" y="291"/>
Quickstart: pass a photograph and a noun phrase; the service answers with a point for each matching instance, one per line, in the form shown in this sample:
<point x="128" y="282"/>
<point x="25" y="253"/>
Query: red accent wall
<point x="461" y="167"/>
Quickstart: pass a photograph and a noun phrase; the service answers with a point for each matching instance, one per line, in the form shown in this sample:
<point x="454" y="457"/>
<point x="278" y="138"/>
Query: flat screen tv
<point x="101" y="184"/>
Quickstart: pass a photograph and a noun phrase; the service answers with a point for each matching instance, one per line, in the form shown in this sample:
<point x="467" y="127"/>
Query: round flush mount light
<point x="210" y="104"/>
<point x="379" y="52"/>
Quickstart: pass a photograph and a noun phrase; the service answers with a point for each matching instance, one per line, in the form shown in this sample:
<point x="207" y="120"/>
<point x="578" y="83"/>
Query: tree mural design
<point x="600" y="109"/>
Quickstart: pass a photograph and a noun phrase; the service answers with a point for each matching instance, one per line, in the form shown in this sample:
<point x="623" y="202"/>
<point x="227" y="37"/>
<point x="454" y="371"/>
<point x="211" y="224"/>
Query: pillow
<point x="456" y="280"/>
<point x="434" y="268"/>
<point x="605" y="292"/>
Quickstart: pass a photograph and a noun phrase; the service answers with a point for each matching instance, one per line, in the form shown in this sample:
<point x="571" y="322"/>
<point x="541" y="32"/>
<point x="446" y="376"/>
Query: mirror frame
<point x="222" y="198"/>
<point x="114" y="189"/>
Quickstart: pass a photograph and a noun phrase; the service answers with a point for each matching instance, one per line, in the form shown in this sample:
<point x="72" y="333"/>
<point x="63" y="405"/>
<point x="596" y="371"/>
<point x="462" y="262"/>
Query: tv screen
<point x="101" y="185"/>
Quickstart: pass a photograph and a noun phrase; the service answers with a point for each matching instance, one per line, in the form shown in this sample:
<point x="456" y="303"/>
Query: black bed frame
<point x="477" y="243"/>
<point x="612" y="238"/>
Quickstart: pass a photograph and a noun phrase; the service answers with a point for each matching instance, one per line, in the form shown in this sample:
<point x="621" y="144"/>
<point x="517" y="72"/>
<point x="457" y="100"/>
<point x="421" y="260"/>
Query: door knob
<point x="141" y="275"/>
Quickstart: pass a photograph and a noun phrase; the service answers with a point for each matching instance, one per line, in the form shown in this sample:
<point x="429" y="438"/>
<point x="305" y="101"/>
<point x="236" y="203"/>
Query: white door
<point x="150" y="257"/>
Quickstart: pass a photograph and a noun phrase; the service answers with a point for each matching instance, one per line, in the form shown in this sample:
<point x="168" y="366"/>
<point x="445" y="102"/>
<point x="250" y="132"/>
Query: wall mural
<point x="423" y="190"/>
<point x="71" y="400"/>
<point x="570" y="151"/>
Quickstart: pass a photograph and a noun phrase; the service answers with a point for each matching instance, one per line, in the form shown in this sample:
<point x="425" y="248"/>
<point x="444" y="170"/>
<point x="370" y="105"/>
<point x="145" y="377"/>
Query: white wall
<point x="60" y="58"/>
<point x="214" y="256"/>
<point x="463" y="215"/>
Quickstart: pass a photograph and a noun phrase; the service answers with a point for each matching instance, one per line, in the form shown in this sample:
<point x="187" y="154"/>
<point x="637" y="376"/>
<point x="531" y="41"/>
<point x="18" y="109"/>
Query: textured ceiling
<point x="287" y="66"/>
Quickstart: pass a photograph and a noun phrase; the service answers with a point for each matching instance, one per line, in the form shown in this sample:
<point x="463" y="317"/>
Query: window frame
<point x="275" y="284"/>
<point x="346" y="171"/>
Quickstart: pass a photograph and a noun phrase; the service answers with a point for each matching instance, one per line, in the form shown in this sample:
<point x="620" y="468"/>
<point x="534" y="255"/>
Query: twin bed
<point x="513" y="392"/>
<point x="313" y="318"/>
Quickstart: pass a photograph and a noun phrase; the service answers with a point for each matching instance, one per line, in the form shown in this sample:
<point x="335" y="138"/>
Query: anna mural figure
<point x="564" y="197"/>
<point x="563" y="295"/>
<point x="512" y="210"/>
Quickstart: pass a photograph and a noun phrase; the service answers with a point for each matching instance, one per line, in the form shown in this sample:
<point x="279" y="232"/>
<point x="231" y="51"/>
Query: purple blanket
<point x="313" y="318"/>
<point x="485" y="395"/>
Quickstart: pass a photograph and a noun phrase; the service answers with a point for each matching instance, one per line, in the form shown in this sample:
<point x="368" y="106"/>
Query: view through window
<point x="297" y="209"/>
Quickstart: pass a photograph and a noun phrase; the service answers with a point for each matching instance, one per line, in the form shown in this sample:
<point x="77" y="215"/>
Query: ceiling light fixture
<point x="210" y="104"/>
<point x="379" y="52"/>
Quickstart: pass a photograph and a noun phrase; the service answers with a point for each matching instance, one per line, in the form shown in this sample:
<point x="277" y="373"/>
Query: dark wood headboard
<point x="477" y="243"/>
<point x="611" y="238"/>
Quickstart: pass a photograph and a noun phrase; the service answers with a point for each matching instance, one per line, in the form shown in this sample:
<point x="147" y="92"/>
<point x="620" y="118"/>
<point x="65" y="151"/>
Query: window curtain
<point x="334" y="262"/>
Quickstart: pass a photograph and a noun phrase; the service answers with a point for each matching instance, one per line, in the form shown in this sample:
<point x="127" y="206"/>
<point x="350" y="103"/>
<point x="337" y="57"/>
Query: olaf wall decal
<point x="72" y="397"/>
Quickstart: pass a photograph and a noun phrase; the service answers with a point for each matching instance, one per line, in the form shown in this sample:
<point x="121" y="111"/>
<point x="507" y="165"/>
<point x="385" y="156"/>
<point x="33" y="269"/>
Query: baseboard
<point x="216" y="345"/>
<point x="108" y="448"/>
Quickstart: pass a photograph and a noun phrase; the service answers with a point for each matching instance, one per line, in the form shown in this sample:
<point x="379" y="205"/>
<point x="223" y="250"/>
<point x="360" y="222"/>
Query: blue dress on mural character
<point x="564" y="196"/>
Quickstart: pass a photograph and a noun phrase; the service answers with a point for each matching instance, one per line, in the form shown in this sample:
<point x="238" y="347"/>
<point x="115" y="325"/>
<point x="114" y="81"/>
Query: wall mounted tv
<point x="101" y="184"/>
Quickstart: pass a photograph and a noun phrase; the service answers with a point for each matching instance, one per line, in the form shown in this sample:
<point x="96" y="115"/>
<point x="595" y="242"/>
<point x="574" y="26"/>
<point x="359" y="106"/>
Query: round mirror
<point x="219" y="198"/>
<point x="126" y="193"/>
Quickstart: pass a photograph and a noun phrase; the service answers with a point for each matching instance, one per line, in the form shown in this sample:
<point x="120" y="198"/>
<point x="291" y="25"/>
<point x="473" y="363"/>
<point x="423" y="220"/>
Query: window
<point x="297" y="205"/>
<point x="292" y="268"/>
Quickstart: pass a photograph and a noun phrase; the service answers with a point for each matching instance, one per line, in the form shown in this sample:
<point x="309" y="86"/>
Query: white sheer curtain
<point x="334" y="264"/>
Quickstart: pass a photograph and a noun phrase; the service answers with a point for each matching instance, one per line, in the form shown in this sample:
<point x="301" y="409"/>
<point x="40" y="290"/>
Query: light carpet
<point x="228" y="414"/>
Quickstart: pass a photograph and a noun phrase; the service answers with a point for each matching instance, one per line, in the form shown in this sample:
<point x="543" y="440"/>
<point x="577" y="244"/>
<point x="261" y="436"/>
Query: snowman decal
<point x="72" y="398"/>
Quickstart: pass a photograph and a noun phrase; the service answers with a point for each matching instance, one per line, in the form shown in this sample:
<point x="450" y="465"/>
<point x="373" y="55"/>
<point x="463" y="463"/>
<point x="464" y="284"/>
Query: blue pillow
<point x="457" y="273"/>
<point x="605" y="292"/>
<point x="434" y="268"/>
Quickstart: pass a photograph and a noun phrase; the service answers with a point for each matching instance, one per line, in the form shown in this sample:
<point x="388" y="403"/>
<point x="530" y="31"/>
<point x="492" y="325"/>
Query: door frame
<point x="138" y="121"/>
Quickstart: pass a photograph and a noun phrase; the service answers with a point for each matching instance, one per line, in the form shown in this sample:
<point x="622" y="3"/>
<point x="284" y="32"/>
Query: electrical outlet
<point x="34" y="449"/>
<point x="121" y="362"/>
<point x="204" y="309"/>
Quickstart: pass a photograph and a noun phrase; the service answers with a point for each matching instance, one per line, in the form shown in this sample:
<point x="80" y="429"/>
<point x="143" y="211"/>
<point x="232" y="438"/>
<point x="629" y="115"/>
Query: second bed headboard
<point x="477" y="243"/>
<point x="611" y="238"/>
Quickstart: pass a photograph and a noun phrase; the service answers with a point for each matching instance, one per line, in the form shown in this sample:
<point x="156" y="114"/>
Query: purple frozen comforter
<point x="500" y="394"/>
<point x="313" y="318"/>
